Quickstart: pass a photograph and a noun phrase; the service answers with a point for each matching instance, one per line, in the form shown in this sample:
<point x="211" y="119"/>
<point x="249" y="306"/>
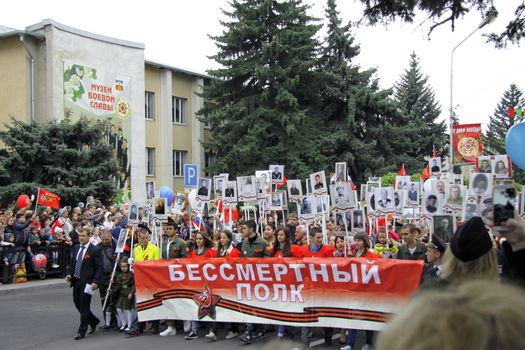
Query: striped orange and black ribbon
<point x="310" y="314"/>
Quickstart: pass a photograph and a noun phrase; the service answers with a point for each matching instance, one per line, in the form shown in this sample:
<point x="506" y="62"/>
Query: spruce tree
<point x="359" y="115"/>
<point x="420" y="110"/>
<point x="263" y="104"/>
<point x="70" y="159"/>
<point x="500" y="122"/>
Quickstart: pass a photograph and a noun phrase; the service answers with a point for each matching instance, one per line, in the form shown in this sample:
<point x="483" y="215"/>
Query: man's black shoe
<point x="79" y="336"/>
<point x="93" y="328"/>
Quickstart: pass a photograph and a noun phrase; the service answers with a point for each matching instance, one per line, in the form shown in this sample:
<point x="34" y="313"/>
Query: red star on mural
<point x="207" y="302"/>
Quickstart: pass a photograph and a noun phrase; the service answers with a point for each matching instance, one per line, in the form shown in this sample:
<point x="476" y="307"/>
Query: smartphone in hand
<point x="504" y="202"/>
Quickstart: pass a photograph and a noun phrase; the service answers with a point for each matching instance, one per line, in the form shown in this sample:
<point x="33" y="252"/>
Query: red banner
<point x="330" y="292"/>
<point x="48" y="199"/>
<point x="467" y="141"/>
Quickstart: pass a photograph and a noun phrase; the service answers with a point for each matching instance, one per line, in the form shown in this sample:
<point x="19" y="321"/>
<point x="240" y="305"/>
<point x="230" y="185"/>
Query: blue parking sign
<point x="190" y="175"/>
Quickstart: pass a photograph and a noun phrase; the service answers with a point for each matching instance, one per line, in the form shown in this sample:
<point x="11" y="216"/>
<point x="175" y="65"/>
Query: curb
<point x="21" y="288"/>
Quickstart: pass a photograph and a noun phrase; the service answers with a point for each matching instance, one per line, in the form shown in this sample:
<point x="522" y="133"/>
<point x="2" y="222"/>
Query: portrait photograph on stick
<point x="204" y="190"/>
<point x="340" y="172"/>
<point x="480" y="183"/>
<point x="341" y="196"/>
<point x="180" y="202"/>
<point x="413" y="194"/>
<point x="470" y="209"/>
<point x="318" y="181"/>
<point x="295" y="191"/>
<point x="484" y="164"/>
<point x="133" y="216"/>
<point x="455" y="195"/>
<point x="218" y="183"/>
<point x="501" y="168"/>
<point x="358" y="220"/>
<point x="384" y="197"/>
<point x="402" y="182"/>
<point x="443" y="226"/>
<point x="435" y="165"/>
<point x="305" y="207"/>
<point x="322" y="205"/>
<point x="344" y="216"/>
<point x="229" y="192"/>
<point x="246" y="188"/>
<point x="432" y="203"/>
<point x="150" y="190"/>
<point x="161" y="207"/>
<point x="277" y="172"/>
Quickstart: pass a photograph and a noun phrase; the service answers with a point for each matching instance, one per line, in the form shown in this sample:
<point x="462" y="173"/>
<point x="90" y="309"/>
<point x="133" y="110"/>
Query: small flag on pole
<point x="48" y="198"/>
<point x="426" y="173"/>
<point x="402" y="171"/>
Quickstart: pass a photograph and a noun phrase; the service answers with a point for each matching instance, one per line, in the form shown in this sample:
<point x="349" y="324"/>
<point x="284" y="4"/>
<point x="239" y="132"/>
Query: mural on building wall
<point x="103" y="96"/>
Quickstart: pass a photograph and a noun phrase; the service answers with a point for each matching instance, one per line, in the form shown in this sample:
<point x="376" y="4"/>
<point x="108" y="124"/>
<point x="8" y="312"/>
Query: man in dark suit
<point x="85" y="274"/>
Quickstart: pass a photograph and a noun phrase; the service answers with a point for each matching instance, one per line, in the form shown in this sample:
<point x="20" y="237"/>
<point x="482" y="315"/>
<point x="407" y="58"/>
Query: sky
<point x="176" y="33"/>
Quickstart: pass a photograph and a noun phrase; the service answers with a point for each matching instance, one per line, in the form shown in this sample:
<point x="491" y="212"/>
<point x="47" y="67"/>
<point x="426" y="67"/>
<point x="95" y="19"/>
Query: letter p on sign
<point x="190" y="175"/>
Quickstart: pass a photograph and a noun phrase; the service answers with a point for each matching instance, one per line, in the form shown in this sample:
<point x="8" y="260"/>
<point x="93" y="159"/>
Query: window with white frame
<point x="150" y="105"/>
<point x="150" y="161"/>
<point x="179" y="159"/>
<point x="179" y="108"/>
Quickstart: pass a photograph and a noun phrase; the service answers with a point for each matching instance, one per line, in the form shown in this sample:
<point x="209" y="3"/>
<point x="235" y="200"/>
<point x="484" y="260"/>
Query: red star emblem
<point x="207" y="302"/>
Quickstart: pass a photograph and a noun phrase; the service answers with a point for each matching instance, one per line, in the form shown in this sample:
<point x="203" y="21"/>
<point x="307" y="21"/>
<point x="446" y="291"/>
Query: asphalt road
<point x="44" y="317"/>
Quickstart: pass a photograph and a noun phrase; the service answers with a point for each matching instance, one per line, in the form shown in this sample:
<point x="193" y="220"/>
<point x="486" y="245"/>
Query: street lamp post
<point x="489" y="19"/>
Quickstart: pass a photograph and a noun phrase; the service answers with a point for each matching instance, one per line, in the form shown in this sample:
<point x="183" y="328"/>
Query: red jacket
<point x="208" y="253"/>
<point x="326" y="251"/>
<point x="294" y="249"/>
<point x="234" y="253"/>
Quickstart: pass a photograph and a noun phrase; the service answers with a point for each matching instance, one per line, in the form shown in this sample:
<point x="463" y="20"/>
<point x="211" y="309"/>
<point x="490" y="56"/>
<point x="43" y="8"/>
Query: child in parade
<point x="386" y="247"/>
<point x="124" y="291"/>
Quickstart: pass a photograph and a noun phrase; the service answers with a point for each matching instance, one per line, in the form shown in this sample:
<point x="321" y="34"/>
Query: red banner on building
<point x="467" y="143"/>
<point x="331" y="292"/>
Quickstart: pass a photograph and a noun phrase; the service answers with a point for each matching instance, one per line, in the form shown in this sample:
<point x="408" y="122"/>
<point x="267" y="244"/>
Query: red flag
<point x="402" y="170"/>
<point x="48" y="199"/>
<point x="426" y="173"/>
<point x="284" y="182"/>
<point x="434" y="153"/>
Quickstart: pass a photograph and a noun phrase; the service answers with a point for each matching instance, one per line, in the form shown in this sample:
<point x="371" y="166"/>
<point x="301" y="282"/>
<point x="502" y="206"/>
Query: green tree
<point x="500" y="122"/>
<point x="263" y="104"/>
<point x="359" y="116"/>
<point x="439" y="12"/>
<point x="420" y="110"/>
<point x="70" y="159"/>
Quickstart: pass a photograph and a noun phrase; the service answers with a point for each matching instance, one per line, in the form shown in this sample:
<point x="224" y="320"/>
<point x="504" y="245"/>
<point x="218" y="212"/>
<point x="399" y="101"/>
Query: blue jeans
<point x="352" y="333"/>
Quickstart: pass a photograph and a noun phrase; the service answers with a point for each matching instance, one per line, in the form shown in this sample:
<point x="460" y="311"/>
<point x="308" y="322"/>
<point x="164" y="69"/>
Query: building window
<point x="178" y="112"/>
<point x="150" y="105"/>
<point x="150" y="161"/>
<point x="179" y="159"/>
<point x="208" y="160"/>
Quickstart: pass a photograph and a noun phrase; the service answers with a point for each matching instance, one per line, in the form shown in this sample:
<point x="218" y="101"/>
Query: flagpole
<point x="37" y="198"/>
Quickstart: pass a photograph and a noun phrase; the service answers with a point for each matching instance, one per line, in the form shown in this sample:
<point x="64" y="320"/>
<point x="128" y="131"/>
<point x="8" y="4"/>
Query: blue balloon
<point x="166" y="192"/>
<point x="515" y="144"/>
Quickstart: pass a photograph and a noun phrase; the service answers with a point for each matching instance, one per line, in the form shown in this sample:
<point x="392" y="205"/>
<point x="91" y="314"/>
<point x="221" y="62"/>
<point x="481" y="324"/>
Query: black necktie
<point x="78" y="263"/>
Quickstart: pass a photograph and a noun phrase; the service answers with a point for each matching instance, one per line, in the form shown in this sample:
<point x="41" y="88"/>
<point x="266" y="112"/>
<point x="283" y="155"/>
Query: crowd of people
<point x="93" y="229"/>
